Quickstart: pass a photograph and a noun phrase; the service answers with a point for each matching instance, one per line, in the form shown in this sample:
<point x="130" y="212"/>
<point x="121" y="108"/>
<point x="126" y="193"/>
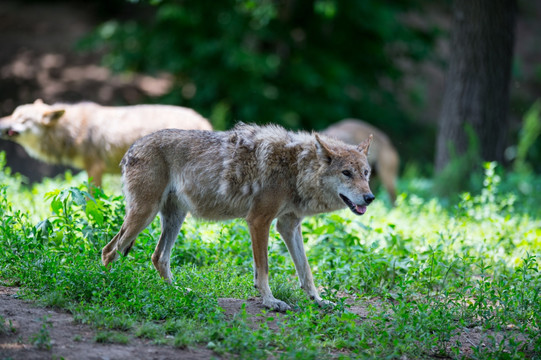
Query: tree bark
<point x="478" y="77"/>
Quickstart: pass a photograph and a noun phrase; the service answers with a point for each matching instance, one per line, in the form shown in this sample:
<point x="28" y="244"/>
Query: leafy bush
<point x="302" y="64"/>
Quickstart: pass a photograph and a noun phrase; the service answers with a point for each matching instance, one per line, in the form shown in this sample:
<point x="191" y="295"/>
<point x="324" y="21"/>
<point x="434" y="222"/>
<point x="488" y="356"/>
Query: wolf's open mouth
<point x="357" y="209"/>
<point x="11" y="132"/>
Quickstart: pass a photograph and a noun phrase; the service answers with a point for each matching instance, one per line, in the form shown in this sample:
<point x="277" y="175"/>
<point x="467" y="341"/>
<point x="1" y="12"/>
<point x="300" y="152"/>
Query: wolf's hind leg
<point x="136" y="220"/>
<point x="172" y="217"/>
<point x="289" y="227"/>
<point x="145" y="183"/>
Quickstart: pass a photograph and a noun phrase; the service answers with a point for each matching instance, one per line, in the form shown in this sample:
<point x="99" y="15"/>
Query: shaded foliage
<point x="303" y="64"/>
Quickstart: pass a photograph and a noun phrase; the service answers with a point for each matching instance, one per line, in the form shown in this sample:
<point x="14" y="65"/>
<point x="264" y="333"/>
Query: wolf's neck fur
<point x="316" y="198"/>
<point x="274" y="146"/>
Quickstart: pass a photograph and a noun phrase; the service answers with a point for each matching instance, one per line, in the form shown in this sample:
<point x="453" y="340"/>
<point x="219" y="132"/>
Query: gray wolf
<point x="252" y="172"/>
<point x="383" y="156"/>
<point x="90" y="136"/>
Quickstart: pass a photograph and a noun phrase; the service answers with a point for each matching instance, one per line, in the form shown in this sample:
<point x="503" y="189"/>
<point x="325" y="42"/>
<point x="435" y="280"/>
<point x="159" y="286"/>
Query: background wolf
<point x="90" y="136"/>
<point x="383" y="157"/>
<point x="258" y="173"/>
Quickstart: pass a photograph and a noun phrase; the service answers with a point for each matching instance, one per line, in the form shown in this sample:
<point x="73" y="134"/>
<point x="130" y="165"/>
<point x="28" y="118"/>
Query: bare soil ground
<point x="72" y="340"/>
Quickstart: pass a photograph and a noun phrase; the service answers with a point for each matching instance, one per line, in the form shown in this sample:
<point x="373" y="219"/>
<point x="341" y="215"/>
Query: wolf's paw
<point x="183" y="289"/>
<point x="108" y="256"/>
<point x="107" y="259"/>
<point x="321" y="302"/>
<point x="275" y="304"/>
<point x="325" y="303"/>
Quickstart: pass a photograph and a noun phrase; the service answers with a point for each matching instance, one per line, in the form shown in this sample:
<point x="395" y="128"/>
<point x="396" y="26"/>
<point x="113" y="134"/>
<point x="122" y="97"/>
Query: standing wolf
<point x="90" y="136"/>
<point x="383" y="156"/>
<point x="259" y="173"/>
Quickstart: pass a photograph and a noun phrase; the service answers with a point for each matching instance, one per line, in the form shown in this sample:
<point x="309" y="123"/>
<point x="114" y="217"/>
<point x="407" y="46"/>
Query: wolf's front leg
<point x="259" y="232"/>
<point x="289" y="227"/>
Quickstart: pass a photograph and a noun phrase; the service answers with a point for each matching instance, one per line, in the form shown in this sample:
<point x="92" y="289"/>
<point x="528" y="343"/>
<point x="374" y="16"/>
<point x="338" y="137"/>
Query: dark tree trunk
<point x="477" y="85"/>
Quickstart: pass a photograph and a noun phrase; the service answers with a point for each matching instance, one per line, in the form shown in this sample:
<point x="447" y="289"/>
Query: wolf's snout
<point x="8" y="132"/>
<point x="368" y="198"/>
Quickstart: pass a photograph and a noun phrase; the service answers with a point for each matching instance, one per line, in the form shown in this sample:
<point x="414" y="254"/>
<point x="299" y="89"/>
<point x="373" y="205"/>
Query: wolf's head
<point x="29" y="122"/>
<point x="346" y="172"/>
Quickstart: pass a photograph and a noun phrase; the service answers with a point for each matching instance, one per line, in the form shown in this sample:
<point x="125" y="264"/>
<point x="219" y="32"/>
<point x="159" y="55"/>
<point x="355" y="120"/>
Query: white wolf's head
<point x="29" y="122"/>
<point x="346" y="173"/>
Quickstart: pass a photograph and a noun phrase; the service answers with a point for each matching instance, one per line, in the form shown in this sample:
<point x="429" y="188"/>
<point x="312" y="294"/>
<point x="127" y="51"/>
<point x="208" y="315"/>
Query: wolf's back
<point x="217" y="174"/>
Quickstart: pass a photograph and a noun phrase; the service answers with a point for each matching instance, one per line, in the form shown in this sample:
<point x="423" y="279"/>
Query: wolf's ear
<point x="323" y="150"/>
<point x="51" y="117"/>
<point x="365" y="145"/>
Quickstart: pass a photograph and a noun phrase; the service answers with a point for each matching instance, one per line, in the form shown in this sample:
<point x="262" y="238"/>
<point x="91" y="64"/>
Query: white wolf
<point x="90" y="136"/>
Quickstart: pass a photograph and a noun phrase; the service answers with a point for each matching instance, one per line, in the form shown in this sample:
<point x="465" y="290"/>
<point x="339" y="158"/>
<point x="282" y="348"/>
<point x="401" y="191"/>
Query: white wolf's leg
<point x="259" y="232"/>
<point x="172" y="217"/>
<point x="95" y="170"/>
<point x="289" y="226"/>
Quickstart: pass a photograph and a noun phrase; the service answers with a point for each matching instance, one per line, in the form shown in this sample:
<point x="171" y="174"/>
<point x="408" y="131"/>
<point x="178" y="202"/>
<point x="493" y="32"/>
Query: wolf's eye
<point x="347" y="173"/>
<point x="366" y="172"/>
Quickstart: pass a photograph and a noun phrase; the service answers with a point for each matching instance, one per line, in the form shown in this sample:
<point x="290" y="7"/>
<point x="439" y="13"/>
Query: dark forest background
<point x="303" y="64"/>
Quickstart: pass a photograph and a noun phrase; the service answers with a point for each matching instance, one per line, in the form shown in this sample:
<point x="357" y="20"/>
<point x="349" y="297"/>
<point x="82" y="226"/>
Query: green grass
<point x="42" y="339"/>
<point x="111" y="337"/>
<point x="6" y="326"/>
<point x="430" y="278"/>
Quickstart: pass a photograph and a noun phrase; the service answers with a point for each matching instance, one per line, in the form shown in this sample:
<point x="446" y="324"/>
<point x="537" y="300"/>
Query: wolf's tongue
<point x="11" y="133"/>
<point x="361" y="209"/>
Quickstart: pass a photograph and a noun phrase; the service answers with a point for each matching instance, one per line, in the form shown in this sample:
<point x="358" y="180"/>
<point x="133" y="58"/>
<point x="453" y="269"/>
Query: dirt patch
<point x="70" y="340"/>
<point x="255" y="311"/>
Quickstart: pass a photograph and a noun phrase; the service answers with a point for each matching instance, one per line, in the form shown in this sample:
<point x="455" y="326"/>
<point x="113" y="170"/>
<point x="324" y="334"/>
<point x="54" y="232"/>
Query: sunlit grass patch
<point x="426" y="278"/>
